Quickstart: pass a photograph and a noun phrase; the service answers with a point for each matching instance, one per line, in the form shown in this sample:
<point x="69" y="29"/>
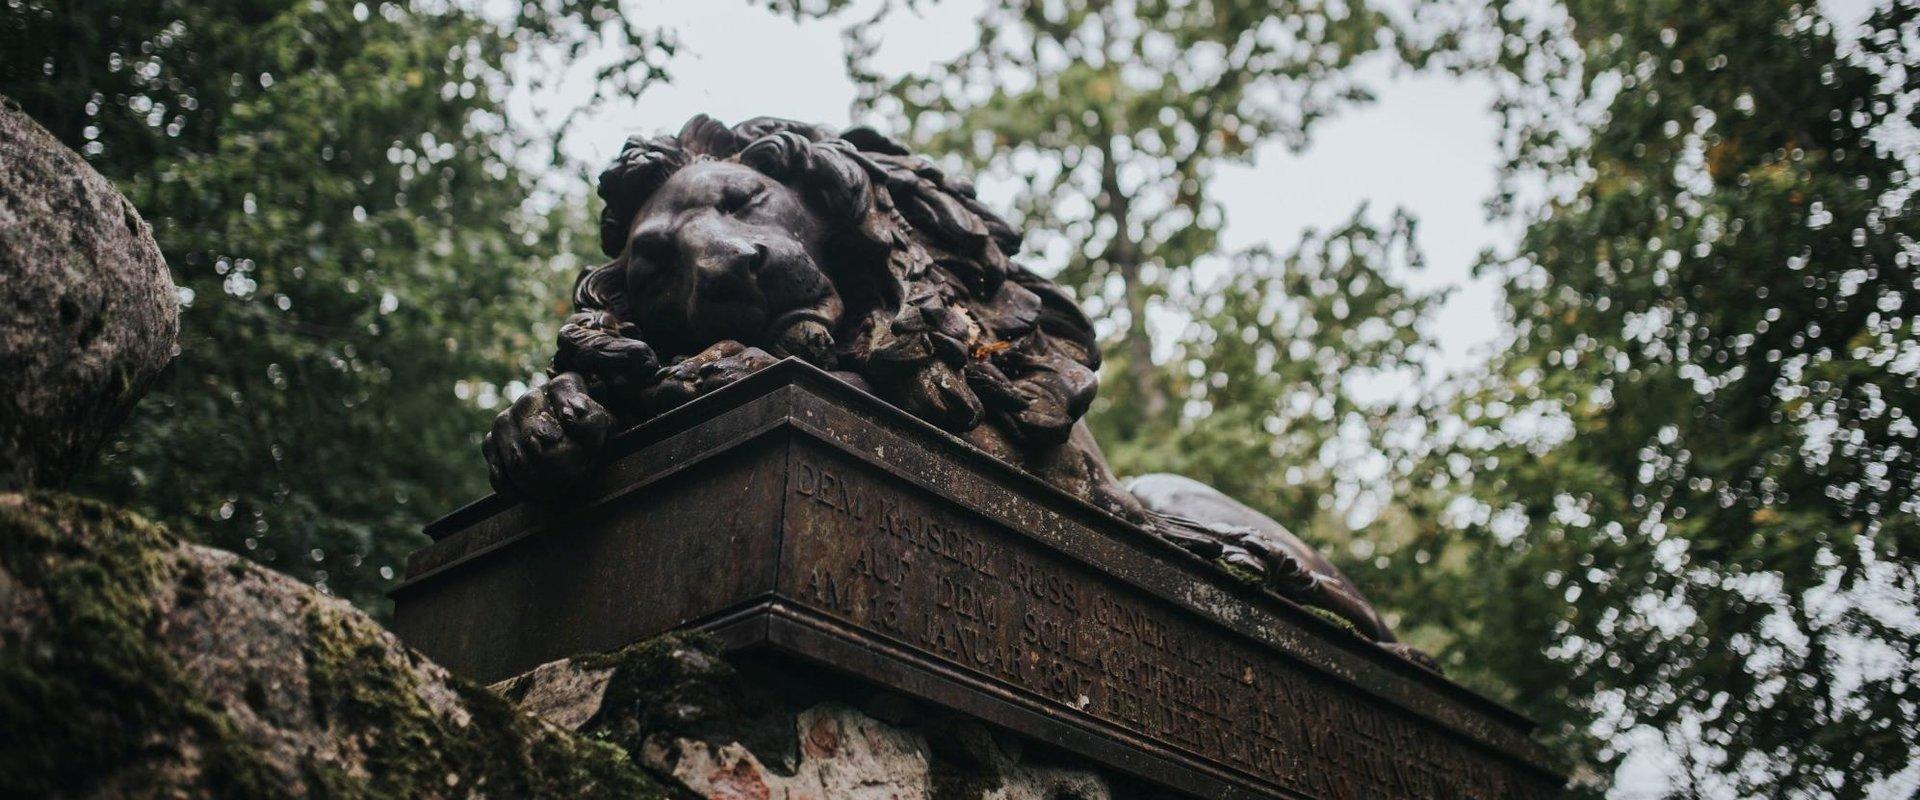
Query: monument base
<point x="796" y="517"/>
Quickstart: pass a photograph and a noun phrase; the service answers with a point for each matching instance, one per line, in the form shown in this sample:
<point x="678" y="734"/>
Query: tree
<point x="1688" y="485"/>
<point x="349" y="221"/>
<point x="1110" y="118"/>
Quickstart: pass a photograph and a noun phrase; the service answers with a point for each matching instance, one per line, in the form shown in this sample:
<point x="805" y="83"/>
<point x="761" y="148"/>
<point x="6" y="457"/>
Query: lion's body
<point x="928" y="310"/>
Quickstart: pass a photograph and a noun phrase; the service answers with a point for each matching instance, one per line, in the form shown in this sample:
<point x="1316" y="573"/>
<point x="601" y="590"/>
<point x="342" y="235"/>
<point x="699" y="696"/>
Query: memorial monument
<point x="813" y="407"/>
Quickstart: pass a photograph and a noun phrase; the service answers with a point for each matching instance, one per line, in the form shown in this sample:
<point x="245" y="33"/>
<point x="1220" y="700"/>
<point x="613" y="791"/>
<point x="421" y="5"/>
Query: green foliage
<point x="334" y="191"/>
<point x="1682" y="500"/>
<point x="1108" y="121"/>
<point x="91" y="695"/>
<point x="1691" y="476"/>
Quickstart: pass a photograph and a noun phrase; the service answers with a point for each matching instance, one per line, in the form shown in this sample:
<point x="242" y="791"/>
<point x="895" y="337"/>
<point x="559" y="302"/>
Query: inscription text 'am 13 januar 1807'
<point x="939" y="581"/>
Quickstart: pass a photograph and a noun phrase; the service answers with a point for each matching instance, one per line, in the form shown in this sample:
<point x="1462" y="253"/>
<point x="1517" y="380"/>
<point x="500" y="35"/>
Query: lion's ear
<point x="708" y="136"/>
<point x="827" y="170"/>
<point x="873" y="141"/>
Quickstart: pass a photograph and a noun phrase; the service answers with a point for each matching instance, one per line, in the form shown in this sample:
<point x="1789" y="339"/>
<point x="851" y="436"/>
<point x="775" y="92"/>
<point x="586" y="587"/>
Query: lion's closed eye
<point x="741" y="198"/>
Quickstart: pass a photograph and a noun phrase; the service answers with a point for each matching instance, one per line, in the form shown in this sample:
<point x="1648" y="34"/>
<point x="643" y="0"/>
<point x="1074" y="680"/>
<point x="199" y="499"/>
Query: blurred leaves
<point x="1687" y="487"/>
<point x="1291" y="374"/>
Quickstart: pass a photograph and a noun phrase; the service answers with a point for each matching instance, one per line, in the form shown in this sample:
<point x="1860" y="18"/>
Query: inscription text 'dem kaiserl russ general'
<point x="965" y="591"/>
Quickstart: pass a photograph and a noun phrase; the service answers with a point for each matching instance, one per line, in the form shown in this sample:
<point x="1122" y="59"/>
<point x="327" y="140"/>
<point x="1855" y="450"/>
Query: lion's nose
<point x="747" y="257"/>
<point x="727" y="271"/>
<point x="741" y="258"/>
<point x="712" y="244"/>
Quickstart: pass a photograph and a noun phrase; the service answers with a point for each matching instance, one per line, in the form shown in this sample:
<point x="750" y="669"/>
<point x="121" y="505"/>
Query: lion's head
<point x="850" y="252"/>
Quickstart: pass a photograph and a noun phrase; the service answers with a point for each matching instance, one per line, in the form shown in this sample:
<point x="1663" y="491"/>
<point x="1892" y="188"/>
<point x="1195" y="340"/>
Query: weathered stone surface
<point x="845" y="753"/>
<point x="723" y="735"/>
<point x="134" y="665"/>
<point x="88" y="313"/>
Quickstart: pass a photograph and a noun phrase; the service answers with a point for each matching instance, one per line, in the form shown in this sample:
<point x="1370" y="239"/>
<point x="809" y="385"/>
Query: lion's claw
<point x="710" y="369"/>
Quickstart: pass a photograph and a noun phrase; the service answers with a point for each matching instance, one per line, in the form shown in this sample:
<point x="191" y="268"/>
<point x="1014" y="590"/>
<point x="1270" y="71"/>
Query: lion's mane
<point x="938" y="319"/>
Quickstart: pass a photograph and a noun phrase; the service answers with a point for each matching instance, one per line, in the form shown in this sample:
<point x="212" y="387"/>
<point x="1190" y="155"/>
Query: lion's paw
<point x="705" y="372"/>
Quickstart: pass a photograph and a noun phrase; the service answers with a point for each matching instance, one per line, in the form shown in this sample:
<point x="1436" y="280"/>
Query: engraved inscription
<point x="971" y="594"/>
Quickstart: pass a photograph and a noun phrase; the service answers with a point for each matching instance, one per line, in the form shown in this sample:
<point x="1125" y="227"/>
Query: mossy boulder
<point x="133" y="664"/>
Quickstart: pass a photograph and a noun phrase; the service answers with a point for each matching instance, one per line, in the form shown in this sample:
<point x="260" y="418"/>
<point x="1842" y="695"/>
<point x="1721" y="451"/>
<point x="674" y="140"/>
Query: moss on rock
<point x="132" y="664"/>
<point x="1344" y="623"/>
<point x="673" y="684"/>
<point x="84" y="685"/>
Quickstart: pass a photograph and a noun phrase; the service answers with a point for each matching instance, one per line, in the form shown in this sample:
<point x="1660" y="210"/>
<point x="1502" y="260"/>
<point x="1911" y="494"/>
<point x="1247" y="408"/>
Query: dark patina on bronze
<point x="795" y="515"/>
<point x="734" y="246"/>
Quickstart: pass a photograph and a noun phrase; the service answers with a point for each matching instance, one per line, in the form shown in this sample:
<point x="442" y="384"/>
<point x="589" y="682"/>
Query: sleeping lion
<point x="734" y="247"/>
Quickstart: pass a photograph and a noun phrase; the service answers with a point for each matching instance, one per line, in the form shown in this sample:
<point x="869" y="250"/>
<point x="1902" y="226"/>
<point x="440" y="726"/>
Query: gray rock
<point x="140" y="666"/>
<point x="88" y="313"/>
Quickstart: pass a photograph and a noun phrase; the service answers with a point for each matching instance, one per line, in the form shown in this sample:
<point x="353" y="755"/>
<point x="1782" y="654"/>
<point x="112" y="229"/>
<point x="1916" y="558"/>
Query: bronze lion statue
<point x="734" y="247"/>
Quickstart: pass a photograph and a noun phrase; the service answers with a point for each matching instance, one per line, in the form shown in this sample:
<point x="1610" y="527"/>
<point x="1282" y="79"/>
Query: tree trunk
<point x="1123" y="253"/>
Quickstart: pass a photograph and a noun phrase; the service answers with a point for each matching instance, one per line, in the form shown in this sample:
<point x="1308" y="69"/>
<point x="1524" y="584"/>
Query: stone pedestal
<point x="797" y="518"/>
